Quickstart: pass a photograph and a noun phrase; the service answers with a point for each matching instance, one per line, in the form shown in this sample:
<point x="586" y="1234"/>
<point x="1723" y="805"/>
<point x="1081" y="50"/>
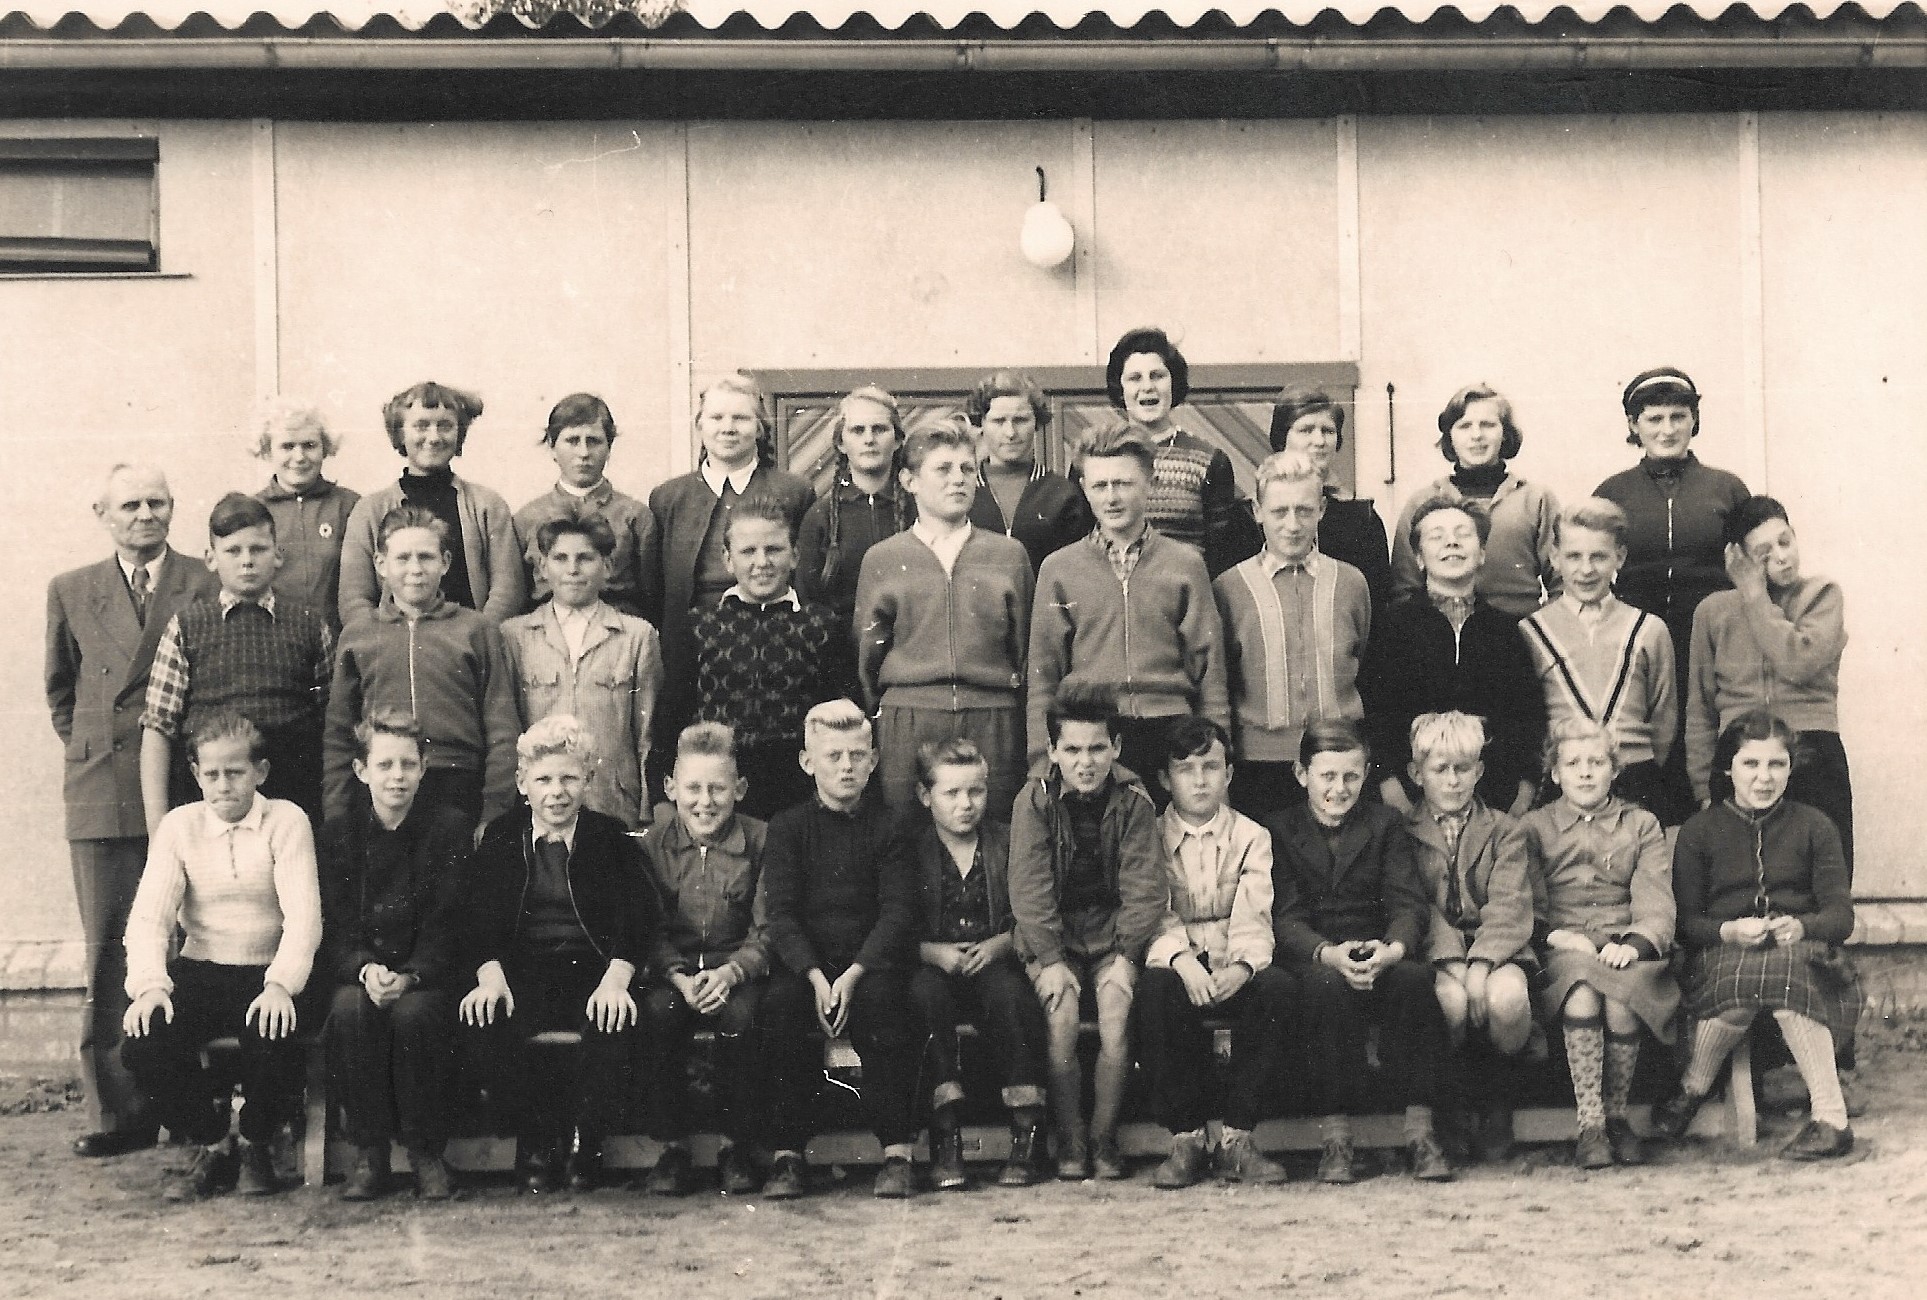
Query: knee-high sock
<point x="1107" y="1091"/>
<point x="1586" y="1055"/>
<point x="1622" y="1054"/>
<point x="1067" y="1108"/>
<point x="1812" y="1048"/>
<point x="1713" y="1041"/>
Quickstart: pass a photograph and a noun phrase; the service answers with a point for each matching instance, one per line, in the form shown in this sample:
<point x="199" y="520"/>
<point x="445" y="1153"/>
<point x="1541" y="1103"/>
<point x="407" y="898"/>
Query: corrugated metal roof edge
<point x="519" y="19"/>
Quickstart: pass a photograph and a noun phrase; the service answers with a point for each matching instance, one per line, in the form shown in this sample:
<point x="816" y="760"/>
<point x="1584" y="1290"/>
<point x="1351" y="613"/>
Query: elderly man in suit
<point x="103" y="621"/>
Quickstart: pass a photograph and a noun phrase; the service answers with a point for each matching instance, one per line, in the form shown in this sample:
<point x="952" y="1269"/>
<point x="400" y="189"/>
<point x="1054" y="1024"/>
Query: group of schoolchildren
<point x="965" y="741"/>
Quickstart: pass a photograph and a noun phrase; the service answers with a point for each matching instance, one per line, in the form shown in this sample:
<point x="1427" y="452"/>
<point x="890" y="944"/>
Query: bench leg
<point x="1743" y="1122"/>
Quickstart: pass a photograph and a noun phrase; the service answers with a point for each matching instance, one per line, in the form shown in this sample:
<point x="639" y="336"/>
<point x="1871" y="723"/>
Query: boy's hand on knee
<point x="1226" y="983"/>
<point x="612" y="1007"/>
<point x="1477" y="1009"/>
<point x="1057" y="982"/>
<point x="141" y="1014"/>
<point x="1570" y="941"/>
<point x="272" y="1014"/>
<point x="491" y="988"/>
<point x="1197" y="980"/>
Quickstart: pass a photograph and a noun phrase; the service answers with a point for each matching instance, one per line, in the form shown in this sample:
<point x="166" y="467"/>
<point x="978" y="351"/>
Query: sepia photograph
<point x="975" y="649"/>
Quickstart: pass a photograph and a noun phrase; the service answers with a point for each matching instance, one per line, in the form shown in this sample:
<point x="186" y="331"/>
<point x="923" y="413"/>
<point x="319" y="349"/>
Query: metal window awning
<point x="413" y="15"/>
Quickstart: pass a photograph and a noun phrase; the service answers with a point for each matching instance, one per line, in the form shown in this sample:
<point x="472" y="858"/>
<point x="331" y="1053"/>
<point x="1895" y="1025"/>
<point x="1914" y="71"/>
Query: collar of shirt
<point x="229" y="600"/>
<point x="1597" y="609"/>
<point x="789" y="598"/>
<point x="734" y="838"/>
<point x="1447" y="603"/>
<point x="567" y="618"/>
<point x="1129" y="549"/>
<point x="274" y="491"/>
<point x="566" y="836"/>
<point x="1566" y="815"/>
<point x="251" y="820"/>
<point x="596" y="493"/>
<point x="1272" y="565"/>
<point x="1177" y="830"/>
<point x="738" y="479"/>
<point x="1460" y="818"/>
<point x="946" y="542"/>
<point x="153" y="568"/>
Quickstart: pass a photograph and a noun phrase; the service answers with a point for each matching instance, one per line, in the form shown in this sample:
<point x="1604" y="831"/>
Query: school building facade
<point x="333" y="202"/>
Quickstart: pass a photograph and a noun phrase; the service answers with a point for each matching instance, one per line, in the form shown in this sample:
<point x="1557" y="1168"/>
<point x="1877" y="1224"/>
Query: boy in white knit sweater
<point x="237" y="873"/>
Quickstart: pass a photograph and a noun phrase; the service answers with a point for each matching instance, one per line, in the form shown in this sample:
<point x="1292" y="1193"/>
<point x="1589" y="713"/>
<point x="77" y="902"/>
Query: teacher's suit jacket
<point x="98" y="656"/>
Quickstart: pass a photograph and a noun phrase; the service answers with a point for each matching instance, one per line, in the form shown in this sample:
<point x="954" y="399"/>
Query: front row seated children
<point x="1088" y="893"/>
<point x="244" y="650"/>
<point x="970" y="969"/>
<point x="560" y="918"/>
<point x="764" y="655"/>
<point x="1214" y="958"/>
<point x="394" y="877"/>
<point x="1349" y="909"/>
<point x="443" y="663"/>
<point x="708" y="962"/>
<point x="839" y="897"/>
<point x="236" y="873"/>
<point x="1603" y="892"/>
<point x="1764" y="905"/>
<point x="1602" y="660"/>
<point x="1473" y="861"/>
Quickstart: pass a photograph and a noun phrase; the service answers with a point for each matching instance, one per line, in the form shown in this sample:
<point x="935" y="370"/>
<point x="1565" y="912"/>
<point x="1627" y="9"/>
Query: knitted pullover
<point x="1256" y="658"/>
<point x="1779" y="650"/>
<point x="449" y="668"/>
<point x="1518" y="573"/>
<point x="261" y="665"/>
<point x="488" y="554"/>
<point x="394" y="896"/>
<point x="1617" y="672"/>
<point x="244" y="893"/>
<point x="1727" y="860"/>
<point x="1194" y="492"/>
<point x="309" y="527"/>
<point x="760" y="668"/>
<point x="935" y="640"/>
<point x="840" y="888"/>
<point x="1155" y="639"/>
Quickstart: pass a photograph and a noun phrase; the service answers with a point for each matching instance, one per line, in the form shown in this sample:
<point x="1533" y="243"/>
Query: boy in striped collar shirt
<point x="1604" y="661"/>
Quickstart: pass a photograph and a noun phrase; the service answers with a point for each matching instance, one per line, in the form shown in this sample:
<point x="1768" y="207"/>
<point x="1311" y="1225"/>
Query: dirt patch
<point x="1710" y="1221"/>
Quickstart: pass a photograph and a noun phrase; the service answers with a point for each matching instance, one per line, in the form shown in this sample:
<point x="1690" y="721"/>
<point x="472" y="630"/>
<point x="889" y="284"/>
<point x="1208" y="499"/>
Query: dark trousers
<point x="1001" y="1003"/>
<point x="550" y="1091"/>
<point x="884" y="1029"/>
<point x="448" y="788"/>
<point x="1174" y="1046"/>
<point x="669" y="1021"/>
<point x="106" y="874"/>
<point x="1143" y="745"/>
<point x="776" y="778"/>
<point x="392" y="1067"/>
<point x="1260" y="789"/>
<point x="1820" y="779"/>
<point x="211" y="1001"/>
<point x="1336" y="1019"/>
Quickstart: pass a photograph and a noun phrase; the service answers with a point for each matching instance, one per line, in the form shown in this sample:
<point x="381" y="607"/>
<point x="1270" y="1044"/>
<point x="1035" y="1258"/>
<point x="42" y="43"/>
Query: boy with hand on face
<point x="235" y="872"/>
<point x="1350" y="911"/>
<point x="764" y="656"/>
<point x="1088" y="893"/>
<point x="942" y="625"/>
<point x="245" y="650"/>
<point x="1213" y="958"/>
<point x="839" y="897"/>
<point x="710" y="959"/>
<point x="579" y="655"/>
<point x="970" y="968"/>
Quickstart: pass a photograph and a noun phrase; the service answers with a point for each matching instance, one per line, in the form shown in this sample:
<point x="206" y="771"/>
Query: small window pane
<point x="74" y="213"/>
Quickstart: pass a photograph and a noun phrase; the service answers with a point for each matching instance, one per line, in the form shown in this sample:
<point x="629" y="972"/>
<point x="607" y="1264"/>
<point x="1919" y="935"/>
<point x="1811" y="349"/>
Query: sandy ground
<point x="1709" y="1221"/>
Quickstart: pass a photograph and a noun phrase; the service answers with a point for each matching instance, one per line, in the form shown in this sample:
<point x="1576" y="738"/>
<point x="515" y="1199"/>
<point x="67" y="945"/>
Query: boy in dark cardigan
<point x="839" y="894"/>
<point x="394" y="873"/>
<point x="1447" y="649"/>
<point x="1350" y="912"/>
<point x="561" y="915"/>
<point x="246" y="650"/>
<point x="764" y="656"/>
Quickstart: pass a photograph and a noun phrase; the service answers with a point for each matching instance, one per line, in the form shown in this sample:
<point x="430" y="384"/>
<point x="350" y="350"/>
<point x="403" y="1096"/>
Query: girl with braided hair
<point x="866" y="504"/>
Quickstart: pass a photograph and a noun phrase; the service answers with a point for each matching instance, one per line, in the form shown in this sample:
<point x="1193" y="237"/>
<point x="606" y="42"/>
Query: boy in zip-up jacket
<point x="442" y="663"/>
<point x="942" y="624"/>
<point x="310" y="513"/>
<point x="1128" y="609"/>
<point x="1088" y="893"/>
<point x="561" y="918"/>
<point x="708" y="963"/>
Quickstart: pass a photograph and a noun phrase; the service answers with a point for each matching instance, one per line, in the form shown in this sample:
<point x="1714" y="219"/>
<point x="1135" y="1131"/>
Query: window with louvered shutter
<point x="78" y="206"/>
